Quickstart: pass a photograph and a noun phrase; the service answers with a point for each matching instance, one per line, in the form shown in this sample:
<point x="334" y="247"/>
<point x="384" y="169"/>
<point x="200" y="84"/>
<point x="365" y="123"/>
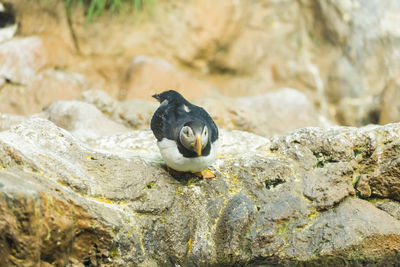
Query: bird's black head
<point x="7" y="16"/>
<point x="194" y="136"/>
<point x="171" y="96"/>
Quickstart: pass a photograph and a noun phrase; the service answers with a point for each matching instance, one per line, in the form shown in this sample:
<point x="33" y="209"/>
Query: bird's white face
<point x="194" y="141"/>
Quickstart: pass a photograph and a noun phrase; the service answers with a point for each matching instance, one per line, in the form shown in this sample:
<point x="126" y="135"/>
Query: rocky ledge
<point x="82" y="196"/>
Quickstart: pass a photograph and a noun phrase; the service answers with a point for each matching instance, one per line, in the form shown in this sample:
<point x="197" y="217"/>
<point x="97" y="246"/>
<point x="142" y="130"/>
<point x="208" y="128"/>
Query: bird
<point x="8" y="24"/>
<point x="187" y="136"/>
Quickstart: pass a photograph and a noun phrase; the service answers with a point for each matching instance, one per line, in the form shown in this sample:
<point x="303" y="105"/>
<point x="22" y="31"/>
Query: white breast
<point x="175" y="160"/>
<point x="8" y="32"/>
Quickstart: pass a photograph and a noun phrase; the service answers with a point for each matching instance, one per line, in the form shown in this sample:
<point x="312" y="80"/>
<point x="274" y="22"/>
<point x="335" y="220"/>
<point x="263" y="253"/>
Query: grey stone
<point x="84" y="120"/>
<point x="289" y="201"/>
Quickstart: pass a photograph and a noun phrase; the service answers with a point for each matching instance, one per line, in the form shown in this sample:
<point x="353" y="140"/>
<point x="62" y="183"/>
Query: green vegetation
<point x="94" y="8"/>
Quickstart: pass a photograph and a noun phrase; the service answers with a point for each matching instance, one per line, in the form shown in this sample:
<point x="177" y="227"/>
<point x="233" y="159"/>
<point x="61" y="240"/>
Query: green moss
<point x="322" y="159"/>
<point x="356" y="177"/>
<point x="357" y="152"/>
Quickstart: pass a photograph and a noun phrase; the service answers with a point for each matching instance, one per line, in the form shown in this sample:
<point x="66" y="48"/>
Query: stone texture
<point x="82" y="119"/>
<point x="110" y="200"/>
<point x="135" y="113"/>
<point x="7" y="120"/>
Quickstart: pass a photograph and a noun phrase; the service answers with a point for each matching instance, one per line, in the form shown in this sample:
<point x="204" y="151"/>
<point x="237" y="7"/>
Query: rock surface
<point x="309" y="197"/>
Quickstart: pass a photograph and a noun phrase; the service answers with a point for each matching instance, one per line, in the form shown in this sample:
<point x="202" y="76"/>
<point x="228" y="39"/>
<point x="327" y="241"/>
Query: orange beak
<point x="198" y="146"/>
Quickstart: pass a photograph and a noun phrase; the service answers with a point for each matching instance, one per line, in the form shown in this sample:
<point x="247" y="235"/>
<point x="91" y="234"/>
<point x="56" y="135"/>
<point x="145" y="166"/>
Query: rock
<point x="379" y="171"/>
<point x="391" y="207"/>
<point x="350" y="223"/>
<point x="7" y="120"/>
<point x="268" y="114"/>
<point x="135" y="113"/>
<point x="44" y="88"/>
<point x="232" y="226"/>
<point x="40" y="227"/>
<point x="363" y="32"/>
<point x="110" y="200"/>
<point x="100" y="99"/>
<point x="22" y="58"/>
<point x="390" y="110"/>
<point x="83" y="120"/>
<point x="328" y="186"/>
<point x="146" y="76"/>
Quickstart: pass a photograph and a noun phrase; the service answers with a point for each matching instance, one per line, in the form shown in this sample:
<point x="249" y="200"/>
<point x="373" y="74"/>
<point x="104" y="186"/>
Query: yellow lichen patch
<point x="59" y="182"/>
<point x="222" y="156"/>
<point x="141" y="245"/>
<point x="189" y="244"/>
<point x="312" y="214"/>
<point x="90" y="157"/>
<point x="104" y="200"/>
<point x="179" y="190"/>
<point x="114" y="253"/>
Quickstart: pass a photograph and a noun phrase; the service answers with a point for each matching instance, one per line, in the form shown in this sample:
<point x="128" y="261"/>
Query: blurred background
<point x="266" y="66"/>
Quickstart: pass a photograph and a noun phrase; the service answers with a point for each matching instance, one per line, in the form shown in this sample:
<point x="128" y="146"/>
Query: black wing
<point x="167" y="121"/>
<point x="157" y="124"/>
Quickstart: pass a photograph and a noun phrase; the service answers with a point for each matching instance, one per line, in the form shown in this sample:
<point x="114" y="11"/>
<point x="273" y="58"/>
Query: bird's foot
<point x="174" y="172"/>
<point x="206" y="174"/>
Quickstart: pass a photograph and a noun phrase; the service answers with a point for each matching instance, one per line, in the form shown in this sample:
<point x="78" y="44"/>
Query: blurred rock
<point x="84" y="120"/>
<point x="44" y="88"/>
<point x="268" y="114"/>
<point x="110" y="201"/>
<point x="101" y="100"/>
<point x="364" y="33"/>
<point x="22" y="58"/>
<point x="135" y="113"/>
<point x="147" y="76"/>
<point x="390" y="110"/>
<point x="341" y="54"/>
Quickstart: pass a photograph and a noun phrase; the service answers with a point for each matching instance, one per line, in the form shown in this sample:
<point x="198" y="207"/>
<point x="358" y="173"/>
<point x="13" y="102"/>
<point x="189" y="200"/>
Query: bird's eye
<point x="187" y="133"/>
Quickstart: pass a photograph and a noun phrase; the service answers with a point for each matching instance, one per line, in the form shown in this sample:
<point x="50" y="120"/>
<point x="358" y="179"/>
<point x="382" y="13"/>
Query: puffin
<point x="8" y="24"/>
<point x="187" y="136"/>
